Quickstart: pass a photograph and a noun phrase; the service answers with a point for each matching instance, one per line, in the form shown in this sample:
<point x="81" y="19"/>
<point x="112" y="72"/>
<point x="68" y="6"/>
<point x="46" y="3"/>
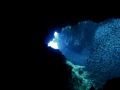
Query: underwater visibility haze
<point x="93" y="48"/>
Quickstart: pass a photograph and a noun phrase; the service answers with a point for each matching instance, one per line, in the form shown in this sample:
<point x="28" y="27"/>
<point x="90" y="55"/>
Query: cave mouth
<point x="54" y="43"/>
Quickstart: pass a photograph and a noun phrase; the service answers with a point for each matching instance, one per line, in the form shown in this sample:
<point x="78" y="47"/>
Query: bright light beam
<point x="52" y="43"/>
<point x="55" y="34"/>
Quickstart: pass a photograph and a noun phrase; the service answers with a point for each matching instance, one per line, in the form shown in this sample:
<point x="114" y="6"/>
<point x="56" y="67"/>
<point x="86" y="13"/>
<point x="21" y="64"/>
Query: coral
<point x="80" y="78"/>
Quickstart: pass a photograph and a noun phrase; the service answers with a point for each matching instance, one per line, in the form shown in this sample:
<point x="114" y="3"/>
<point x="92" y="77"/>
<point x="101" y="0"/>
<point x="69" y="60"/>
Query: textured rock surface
<point x="95" y="46"/>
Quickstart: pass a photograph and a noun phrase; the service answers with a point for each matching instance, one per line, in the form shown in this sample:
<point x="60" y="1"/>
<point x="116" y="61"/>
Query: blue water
<point x="95" y="46"/>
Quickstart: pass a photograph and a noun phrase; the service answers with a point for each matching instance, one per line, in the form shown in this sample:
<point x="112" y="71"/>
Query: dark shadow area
<point x="56" y="74"/>
<point x="92" y="88"/>
<point x="112" y="84"/>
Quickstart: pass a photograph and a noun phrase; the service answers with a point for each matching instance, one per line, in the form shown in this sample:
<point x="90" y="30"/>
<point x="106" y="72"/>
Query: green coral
<point x="80" y="81"/>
